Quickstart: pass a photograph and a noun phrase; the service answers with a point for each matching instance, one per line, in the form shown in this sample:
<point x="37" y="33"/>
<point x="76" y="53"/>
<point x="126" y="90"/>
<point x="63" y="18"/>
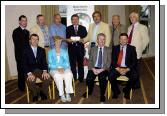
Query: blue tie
<point x="100" y="59"/>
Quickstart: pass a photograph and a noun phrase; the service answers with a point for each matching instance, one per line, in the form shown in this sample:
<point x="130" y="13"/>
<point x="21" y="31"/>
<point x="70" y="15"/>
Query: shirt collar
<point x="22" y="28"/>
<point x="124" y="46"/>
<point x="33" y="47"/>
<point x="58" y="25"/>
<point x="100" y="47"/>
<point x="75" y="25"/>
<point x="97" y="24"/>
<point x="136" y="24"/>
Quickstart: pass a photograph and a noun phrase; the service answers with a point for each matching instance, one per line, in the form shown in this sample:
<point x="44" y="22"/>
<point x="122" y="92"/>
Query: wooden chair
<point x="120" y="78"/>
<point x="38" y="81"/>
<point x="96" y="80"/>
<point x="73" y="84"/>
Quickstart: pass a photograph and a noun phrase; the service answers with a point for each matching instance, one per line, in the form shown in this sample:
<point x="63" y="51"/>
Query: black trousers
<point x="102" y="81"/>
<point x="21" y="79"/>
<point x="76" y="57"/>
<point x="136" y="83"/>
<point x="114" y="83"/>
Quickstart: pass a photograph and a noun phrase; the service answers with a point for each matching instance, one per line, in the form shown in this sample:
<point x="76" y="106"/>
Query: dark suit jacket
<point x="20" y="40"/>
<point x="82" y="33"/>
<point x="130" y="58"/>
<point x="30" y="63"/>
<point x="106" y="57"/>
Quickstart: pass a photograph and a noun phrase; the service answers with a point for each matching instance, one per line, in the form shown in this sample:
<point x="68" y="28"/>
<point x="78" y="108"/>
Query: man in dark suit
<point x="20" y="40"/>
<point x="124" y="61"/>
<point x="99" y="63"/>
<point x="76" y="47"/>
<point x="34" y="65"/>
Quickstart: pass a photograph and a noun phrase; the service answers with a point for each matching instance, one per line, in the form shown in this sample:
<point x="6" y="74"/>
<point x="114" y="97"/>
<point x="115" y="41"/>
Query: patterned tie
<point x="100" y="58"/>
<point x="130" y="35"/>
<point x="120" y="57"/>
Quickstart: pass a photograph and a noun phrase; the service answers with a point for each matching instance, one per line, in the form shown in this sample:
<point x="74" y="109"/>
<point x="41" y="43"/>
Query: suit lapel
<point x="95" y="53"/>
<point x="127" y="54"/>
<point x="32" y="53"/>
<point x="104" y="54"/>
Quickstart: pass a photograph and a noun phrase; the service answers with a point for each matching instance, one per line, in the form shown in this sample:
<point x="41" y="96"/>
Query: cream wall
<point x="12" y="12"/>
<point x="119" y="10"/>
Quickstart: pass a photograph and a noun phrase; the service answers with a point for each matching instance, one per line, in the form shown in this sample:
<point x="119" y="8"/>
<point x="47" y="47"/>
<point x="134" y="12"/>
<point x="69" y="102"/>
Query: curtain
<point x="104" y="11"/>
<point x="48" y="11"/>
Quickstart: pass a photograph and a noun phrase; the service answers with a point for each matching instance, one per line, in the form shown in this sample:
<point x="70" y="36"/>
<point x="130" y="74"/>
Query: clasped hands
<point x="31" y="76"/>
<point x="97" y="71"/>
<point x="122" y="71"/>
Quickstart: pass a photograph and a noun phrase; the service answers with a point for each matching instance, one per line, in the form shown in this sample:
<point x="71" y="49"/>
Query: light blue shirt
<point x="96" y="64"/>
<point x="95" y="32"/>
<point x="63" y="62"/>
<point x="124" y="55"/>
<point x="57" y="30"/>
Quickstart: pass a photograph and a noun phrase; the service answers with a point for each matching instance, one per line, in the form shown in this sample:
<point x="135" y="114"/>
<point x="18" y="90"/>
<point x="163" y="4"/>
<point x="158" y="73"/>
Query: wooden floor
<point x="144" y="95"/>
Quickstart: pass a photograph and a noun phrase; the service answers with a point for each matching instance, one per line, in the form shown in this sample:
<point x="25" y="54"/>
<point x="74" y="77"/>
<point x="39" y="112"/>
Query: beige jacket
<point x="140" y="38"/>
<point x="36" y="29"/>
<point x="103" y="28"/>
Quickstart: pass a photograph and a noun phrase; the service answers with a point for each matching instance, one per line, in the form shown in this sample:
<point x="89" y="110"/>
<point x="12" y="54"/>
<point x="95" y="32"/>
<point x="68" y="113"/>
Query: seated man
<point x="34" y="65"/>
<point x="99" y="63"/>
<point x="124" y="60"/>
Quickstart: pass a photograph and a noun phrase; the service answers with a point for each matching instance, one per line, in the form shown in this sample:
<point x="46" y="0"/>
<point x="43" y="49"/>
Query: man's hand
<point x="99" y="70"/>
<point x="82" y="41"/>
<point x="30" y="77"/>
<point x="125" y="70"/>
<point x="45" y="75"/>
<point x="69" y="40"/>
<point x="122" y="71"/>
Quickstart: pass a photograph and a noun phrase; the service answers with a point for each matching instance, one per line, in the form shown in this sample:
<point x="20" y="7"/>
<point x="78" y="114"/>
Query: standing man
<point x="99" y="63"/>
<point x="76" y="48"/>
<point x="57" y="29"/>
<point x="138" y="37"/>
<point x="116" y="29"/>
<point x="21" y="40"/>
<point x="98" y="27"/>
<point x="42" y="31"/>
<point x="124" y="60"/>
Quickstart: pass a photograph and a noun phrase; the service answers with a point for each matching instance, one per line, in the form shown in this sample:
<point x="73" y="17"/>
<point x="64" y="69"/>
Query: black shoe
<point x="43" y="96"/>
<point x="127" y="95"/>
<point x="115" y="96"/>
<point x="84" y="95"/>
<point x="35" y="98"/>
<point x="102" y="98"/>
<point x="80" y="81"/>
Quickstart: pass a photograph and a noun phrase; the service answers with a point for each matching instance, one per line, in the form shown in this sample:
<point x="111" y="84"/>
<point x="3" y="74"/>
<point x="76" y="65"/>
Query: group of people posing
<point x="57" y="52"/>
